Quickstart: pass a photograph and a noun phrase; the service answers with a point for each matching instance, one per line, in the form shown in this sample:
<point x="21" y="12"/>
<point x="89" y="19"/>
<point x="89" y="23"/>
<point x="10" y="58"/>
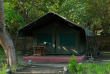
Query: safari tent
<point x="58" y="34"/>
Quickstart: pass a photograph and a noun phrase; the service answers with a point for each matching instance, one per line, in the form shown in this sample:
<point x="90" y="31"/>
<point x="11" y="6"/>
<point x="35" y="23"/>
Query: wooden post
<point x="24" y="45"/>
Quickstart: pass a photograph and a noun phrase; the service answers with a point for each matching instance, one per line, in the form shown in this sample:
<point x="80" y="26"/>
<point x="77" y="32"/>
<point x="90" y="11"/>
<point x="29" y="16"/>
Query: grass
<point x="88" y="68"/>
<point x="93" y="68"/>
<point x="3" y="69"/>
<point x="3" y="64"/>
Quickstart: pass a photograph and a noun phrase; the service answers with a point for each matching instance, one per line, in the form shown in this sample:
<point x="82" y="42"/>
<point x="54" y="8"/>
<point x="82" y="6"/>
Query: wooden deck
<point x="53" y="59"/>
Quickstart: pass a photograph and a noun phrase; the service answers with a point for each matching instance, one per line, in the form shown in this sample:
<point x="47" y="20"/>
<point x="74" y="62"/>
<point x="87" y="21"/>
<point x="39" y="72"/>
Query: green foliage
<point x="88" y="68"/>
<point x="91" y="14"/>
<point x="80" y="67"/>
<point x="13" y="20"/>
<point x="2" y="56"/>
<point x="3" y="65"/>
<point x="72" y="66"/>
<point x="93" y="68"/>
<point x="3" y="69"/>
<point x="21" y="64"/>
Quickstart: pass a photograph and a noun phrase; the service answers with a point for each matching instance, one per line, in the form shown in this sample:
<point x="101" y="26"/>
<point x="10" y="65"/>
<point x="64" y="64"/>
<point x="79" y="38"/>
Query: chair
<point x="39" y="50"/>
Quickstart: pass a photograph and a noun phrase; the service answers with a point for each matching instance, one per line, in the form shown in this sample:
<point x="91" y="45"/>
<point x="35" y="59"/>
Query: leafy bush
<point x="88" y="68"/>
<point x="3" y="69"/>
<point x="80" y="67"/>
<point x="72" y="66"/>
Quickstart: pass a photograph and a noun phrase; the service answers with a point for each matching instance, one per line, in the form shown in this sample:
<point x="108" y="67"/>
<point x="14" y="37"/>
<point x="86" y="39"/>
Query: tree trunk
<point x="5" y="40"/>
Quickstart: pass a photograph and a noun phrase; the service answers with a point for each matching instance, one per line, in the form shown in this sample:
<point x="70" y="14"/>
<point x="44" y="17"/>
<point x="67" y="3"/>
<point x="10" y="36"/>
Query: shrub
<point x="72" y="66"/>
<point x="3" y="69"/>
<point x="88" y="68"/>
<point x="80" y="67"/>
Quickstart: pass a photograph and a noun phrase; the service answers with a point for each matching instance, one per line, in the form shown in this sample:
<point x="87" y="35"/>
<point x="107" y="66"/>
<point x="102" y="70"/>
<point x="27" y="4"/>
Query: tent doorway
<point x="57" y="43"/>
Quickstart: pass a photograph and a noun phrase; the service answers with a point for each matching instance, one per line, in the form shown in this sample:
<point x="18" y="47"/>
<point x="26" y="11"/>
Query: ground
<point x="56" y="68"/>
<point x="43" y="69"/>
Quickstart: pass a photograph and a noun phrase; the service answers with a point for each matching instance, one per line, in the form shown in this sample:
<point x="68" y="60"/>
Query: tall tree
<point x="91" y="14"/>
<point x="5" y="39"/>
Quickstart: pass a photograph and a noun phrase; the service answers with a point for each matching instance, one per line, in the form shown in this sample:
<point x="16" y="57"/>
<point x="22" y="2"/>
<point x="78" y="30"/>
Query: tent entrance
<point x="57" y="43"/>
<point x="48" y="40"/>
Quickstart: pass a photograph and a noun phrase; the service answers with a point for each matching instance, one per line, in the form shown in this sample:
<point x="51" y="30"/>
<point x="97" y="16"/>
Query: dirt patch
<point x="43" y="69"/>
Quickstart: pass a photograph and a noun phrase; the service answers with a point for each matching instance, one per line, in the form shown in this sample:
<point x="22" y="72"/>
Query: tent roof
<point x="49" y="18"/>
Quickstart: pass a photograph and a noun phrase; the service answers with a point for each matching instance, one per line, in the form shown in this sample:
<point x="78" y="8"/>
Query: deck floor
<point x="53" y="59"/>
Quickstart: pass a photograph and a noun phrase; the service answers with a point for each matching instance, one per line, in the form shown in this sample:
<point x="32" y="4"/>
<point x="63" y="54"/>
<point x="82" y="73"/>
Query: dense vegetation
<point x="88" y="68"/>
<point x="93" y="15"/>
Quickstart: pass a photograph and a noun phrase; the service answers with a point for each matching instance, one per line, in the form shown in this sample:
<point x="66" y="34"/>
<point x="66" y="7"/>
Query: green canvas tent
<point x="59" y="35"/>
